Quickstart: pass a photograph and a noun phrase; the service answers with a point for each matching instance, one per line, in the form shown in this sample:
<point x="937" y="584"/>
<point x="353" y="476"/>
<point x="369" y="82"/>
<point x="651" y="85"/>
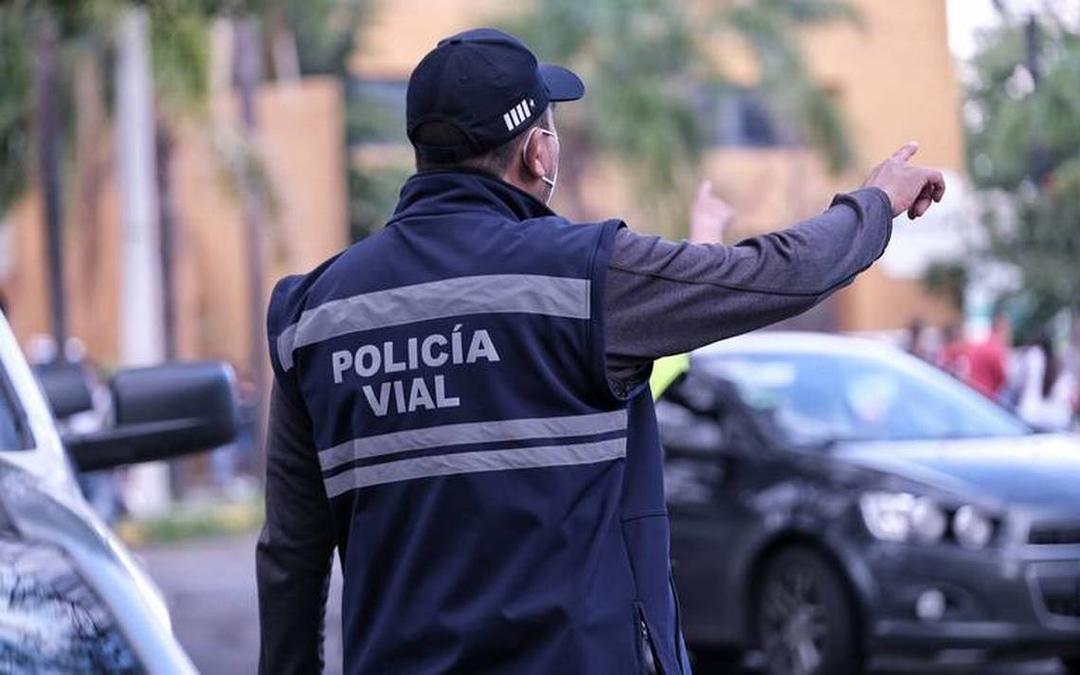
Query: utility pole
<point x="141" y="331"/>
<point x="1039" y="160"/>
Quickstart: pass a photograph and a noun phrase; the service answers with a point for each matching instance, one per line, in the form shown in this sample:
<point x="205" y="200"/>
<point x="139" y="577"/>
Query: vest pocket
<point x="650" y="662"/>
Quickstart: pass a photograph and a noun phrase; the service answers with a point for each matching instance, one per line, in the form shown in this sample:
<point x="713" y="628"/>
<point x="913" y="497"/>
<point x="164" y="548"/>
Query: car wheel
<point x="806" y="624"/>
<point x="1072" y="665"/>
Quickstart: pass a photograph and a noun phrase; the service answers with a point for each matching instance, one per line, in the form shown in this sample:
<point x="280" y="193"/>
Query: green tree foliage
<point x="770" y="28"/>
<point x="644" y="62"/>
<point x="15" y="105"/>
<point x="180" y="52"/>
<point x="179" y="41"/>
<point x="372" y="195"/>
<point x="325" y="32"/>
<point x="1024" y="140"/>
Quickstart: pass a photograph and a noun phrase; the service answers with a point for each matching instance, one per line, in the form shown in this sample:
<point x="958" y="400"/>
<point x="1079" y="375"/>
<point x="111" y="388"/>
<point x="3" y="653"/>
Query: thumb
<point x="705" y="189"/>
<point x="906" y="151"/>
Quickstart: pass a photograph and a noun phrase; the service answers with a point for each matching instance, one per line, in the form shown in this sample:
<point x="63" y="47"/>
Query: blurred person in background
<point x="461" y="404"/>
<point x="229" y="462"/>
<point x="987" y="361"/>
<point x="917" y="344"/>
<point x="952" y="358"/>
<point x="1072" y="352"/>
<point x="1048" y="394"/>
<point x="710" y="216"/>
<point x="100" y="488"/>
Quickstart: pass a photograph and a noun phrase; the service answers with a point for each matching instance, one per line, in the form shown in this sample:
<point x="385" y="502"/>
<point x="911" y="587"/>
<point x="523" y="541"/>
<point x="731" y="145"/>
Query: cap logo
<point x="517" y="115"/>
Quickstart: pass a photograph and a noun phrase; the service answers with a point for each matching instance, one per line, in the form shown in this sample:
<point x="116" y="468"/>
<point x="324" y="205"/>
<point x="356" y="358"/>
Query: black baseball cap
<point x="488" y="86"/>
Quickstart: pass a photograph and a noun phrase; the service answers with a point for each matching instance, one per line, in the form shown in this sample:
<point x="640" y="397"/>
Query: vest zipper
<point x="650" y="663"/>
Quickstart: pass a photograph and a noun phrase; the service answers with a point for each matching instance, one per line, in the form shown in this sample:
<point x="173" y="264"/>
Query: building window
<point x="741" y="117"/>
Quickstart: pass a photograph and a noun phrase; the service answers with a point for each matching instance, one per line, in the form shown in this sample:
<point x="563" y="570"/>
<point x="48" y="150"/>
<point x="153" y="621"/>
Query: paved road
<point x="210" y="587"/>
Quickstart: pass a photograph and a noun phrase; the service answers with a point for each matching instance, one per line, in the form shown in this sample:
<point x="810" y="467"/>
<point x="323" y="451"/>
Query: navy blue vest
<point x="498" y="508"/>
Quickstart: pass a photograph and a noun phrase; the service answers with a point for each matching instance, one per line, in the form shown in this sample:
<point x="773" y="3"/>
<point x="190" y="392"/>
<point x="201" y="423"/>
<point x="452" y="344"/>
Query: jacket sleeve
<point x="294" y="554"/>
<point x="663" y="297"/>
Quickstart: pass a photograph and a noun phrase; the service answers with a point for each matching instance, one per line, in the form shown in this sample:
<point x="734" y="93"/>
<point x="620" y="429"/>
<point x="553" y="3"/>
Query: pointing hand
<point x="909" y="188"/>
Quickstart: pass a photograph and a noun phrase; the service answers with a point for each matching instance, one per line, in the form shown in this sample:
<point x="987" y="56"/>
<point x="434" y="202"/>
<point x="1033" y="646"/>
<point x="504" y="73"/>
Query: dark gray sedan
<point x="834" y="499"/>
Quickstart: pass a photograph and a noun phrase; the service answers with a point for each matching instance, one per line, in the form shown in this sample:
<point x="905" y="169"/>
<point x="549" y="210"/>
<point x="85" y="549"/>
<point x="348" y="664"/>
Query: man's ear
<point x="533" y="155"/>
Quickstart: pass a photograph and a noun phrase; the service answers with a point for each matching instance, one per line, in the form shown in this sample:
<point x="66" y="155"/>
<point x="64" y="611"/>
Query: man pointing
<point x="461" y="406"/>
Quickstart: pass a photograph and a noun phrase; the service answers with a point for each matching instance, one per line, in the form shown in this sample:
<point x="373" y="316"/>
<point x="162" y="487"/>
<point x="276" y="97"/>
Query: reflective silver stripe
<point x="487" y="294"/>
<point x="472" y="432"/>
<point x="475" y="462"/>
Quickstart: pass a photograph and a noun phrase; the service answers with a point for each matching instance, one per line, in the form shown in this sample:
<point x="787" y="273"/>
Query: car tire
<point x="1072" y="665"/>
<point x="805" y="620"/>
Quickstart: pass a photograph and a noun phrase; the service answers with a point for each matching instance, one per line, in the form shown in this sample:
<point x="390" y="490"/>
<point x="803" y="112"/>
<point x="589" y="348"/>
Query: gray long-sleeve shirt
<point x="661" y="298"/>
<point x="701" y="293"/>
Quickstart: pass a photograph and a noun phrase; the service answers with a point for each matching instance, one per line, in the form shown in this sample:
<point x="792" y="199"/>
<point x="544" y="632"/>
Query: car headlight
<point x="900" y="516"/>
<point x="972" y="529"/>
<point x="928" y="520"/>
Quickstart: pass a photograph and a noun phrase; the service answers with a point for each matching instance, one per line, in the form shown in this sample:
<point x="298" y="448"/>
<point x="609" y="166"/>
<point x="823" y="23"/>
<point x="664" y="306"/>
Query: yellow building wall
<point x="891" y="73"/>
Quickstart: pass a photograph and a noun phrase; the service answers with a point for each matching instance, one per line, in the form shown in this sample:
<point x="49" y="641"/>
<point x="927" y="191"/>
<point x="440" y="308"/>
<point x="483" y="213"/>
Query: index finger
<point x="906" y="151"/>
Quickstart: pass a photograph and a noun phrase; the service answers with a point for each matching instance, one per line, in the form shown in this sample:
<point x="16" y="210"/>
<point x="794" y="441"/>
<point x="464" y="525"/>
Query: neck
<point x="434" y="192"/>
<point x="538" y="188"/>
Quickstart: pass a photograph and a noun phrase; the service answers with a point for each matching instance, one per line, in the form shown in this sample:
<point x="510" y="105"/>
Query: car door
<point x="708" y="455"/>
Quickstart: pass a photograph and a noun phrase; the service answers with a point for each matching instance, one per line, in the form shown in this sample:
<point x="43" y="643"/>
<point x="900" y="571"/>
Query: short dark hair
<point x="495" y="161"/>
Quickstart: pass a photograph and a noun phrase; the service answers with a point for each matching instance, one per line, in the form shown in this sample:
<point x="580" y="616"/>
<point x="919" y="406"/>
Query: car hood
<point x="1038" y="470"/>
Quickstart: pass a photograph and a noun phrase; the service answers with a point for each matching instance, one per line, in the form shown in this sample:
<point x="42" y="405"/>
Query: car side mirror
<point x="161" y="412"/>
<point x="66" y="387"/>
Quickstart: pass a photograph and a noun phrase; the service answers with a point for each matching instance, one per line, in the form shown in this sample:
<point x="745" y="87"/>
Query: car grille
<point x="1062" y="605"/>
<point x="1054" y="534"/>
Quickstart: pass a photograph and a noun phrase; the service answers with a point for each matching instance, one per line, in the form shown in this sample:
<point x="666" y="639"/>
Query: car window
<point x="693" y="437"/>
<point x="815" y="397"/>
<point x="14" y="430"/>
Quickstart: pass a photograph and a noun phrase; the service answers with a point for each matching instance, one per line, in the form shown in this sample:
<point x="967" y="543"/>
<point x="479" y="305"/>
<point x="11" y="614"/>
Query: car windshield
<point x="820" y="397"/>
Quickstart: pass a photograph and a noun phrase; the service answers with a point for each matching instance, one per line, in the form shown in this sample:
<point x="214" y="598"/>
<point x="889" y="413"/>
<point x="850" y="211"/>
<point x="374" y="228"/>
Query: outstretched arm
<point x="665" y="297"/>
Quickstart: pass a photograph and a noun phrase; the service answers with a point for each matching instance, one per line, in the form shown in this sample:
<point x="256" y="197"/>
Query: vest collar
<point x="460" y="190"/>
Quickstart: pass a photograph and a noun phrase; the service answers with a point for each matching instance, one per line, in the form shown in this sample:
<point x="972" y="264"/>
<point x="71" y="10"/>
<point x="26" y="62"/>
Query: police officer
<point x="461" y="404"/>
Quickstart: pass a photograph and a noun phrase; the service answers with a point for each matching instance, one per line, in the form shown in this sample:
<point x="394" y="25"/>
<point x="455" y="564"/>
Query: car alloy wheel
<point x="804" y="619"/>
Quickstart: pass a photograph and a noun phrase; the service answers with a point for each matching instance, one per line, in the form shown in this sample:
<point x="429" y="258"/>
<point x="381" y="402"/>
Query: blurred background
<point x="163" y="163"/>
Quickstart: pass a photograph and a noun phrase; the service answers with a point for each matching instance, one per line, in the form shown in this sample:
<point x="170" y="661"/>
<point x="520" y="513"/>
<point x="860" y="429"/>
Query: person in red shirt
<point x="987" y="361"/>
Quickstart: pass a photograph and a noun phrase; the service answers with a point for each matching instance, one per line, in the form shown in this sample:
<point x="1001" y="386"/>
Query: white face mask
<point x="555" y="175"/>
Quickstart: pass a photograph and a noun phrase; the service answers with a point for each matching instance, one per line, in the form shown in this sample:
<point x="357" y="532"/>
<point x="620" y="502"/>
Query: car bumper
<point x="1024" y="601"/>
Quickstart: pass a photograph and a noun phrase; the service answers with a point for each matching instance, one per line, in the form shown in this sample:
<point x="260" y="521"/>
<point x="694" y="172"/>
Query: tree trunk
<point x="48" y="140"/>
<point x="283" y="49"/>
<point x="92" y="166"/>
<point x="164" y="146"/>
<point x="248" y="71"/>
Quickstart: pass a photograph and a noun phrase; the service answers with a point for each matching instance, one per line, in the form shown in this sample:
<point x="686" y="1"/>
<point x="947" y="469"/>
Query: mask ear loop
<point x="524" y="156"/>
